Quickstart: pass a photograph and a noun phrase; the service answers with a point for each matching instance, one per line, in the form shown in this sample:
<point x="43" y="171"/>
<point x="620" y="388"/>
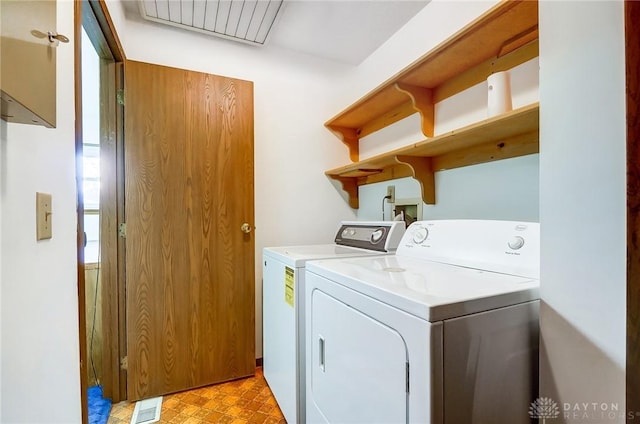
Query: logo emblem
<point x="544" y="408"/>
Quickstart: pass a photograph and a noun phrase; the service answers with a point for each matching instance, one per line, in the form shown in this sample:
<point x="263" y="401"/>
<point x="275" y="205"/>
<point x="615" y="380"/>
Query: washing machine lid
<point x="297" y="256"/>
<point x="429" y="290"/>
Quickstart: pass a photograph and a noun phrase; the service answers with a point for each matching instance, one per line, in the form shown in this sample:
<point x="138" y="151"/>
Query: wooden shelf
<point x="505" y="136"/>
<point x="504" y="37"/>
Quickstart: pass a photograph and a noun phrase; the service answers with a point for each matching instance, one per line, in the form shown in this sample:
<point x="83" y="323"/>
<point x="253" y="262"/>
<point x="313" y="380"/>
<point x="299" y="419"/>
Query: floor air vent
<point x="147" y="411"/>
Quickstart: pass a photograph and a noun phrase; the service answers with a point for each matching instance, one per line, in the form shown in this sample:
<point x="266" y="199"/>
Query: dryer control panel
<point x="507" y="247"/>
<point x="383" y="236"/>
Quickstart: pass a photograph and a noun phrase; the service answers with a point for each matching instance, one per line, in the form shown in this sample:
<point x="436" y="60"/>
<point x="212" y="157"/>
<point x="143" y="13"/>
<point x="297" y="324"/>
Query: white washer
<point x="283" y="303"/>
<point x="444" y="331"/>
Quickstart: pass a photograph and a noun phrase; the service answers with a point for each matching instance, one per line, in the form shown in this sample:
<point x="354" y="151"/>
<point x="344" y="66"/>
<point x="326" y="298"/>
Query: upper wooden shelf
<point x="502" y="38"/>
<point x="508" y="135"/>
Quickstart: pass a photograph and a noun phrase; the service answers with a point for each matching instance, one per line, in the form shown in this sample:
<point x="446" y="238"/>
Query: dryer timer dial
<point x="516" y="243"/>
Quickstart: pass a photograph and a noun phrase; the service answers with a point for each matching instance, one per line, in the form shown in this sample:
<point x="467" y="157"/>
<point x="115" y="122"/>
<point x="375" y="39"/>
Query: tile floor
<point x="245" y="401"/>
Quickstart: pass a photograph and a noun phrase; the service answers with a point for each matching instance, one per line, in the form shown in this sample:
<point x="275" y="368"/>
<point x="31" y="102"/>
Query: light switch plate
<point x="43" y="216"/>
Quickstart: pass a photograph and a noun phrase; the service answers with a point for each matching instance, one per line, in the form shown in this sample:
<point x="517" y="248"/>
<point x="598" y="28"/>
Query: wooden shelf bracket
<point x="350" y="185"/>
<point x="422" y="170"/>
<point x="351" y="138"/>
<point x="422" y="99"/>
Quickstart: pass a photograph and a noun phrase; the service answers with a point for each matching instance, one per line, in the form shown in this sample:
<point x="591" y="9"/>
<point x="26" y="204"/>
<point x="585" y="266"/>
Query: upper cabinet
<point x="502" y="38"/>
<point x="28" y="61"/>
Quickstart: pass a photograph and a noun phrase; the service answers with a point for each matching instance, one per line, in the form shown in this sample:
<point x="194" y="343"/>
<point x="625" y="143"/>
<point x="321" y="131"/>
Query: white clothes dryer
<point x="444" y="331"/>
<point x="283" y="303"/>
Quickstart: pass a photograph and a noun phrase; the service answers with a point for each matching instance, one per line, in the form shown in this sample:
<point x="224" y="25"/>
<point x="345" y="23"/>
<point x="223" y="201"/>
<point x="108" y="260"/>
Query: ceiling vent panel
<point x="247" y="21"/>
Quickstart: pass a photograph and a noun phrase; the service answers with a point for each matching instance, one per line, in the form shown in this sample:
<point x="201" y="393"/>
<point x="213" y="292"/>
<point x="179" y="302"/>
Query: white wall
<point x="504" y="190"/>
<point x="40" y="360"/>
<point x="295" y="202"/>
<point x="583" y="204"/>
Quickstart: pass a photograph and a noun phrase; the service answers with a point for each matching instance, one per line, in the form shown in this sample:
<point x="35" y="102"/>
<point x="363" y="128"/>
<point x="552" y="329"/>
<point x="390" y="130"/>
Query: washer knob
<point x="420" y="235"/>
<point x="376" y="236"/>
<point x="516" y="243"/>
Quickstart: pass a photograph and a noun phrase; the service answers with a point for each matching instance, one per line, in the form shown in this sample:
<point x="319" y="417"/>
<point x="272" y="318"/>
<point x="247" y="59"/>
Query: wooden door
<point x="189" y="266"/>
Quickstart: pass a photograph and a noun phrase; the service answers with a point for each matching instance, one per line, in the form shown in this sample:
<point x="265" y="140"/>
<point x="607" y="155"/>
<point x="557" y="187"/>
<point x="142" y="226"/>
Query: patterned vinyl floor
<point x="238" y="402"/>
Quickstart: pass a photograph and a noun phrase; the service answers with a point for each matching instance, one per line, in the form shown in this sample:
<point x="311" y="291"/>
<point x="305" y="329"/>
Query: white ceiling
<point x="347" y="31"/>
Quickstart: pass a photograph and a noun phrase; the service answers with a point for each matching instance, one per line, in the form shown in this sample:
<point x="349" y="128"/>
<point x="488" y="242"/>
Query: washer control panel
<point x="383" y="236"/>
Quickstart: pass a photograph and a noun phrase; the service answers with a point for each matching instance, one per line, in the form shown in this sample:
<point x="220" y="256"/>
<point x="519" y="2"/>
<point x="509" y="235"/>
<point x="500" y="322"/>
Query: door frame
<point x="96" y="19"/>
<point x="112" y="212"/>
<point x="82" y="315"/>
<point x="632" y="60"/>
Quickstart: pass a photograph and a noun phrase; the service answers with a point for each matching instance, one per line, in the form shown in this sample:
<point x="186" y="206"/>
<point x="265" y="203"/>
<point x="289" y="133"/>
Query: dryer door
<point x="358" y="365"/>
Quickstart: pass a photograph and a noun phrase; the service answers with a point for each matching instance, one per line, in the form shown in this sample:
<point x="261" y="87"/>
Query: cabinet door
<point x="28" y="64"/>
